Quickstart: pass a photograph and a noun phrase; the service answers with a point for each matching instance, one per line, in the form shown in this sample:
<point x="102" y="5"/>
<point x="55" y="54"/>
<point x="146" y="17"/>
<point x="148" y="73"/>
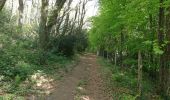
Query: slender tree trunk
<point x="37" y="12"/>
<point x="21" y="11"/>
<point x="74" y="20"/>
<point x="12" y="6"/>
<point x="82" y="15"/>
<point x="53" y="18"/>
<point x="121" y="48"/>
<point x="2" y="3"/>
<point x="58" y="25"/>
<point x="151" y="51"/>
<point x="33" y="7"/>
<point x="65" y="28"/>
<point x="152" y="37"/>
<point x="115" y="58"/>
<point x="107" y="55"/>
<point x="139" y="73"/>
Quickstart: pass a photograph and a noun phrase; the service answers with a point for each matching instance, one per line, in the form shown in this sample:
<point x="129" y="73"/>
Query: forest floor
<point x="84" y="82"/>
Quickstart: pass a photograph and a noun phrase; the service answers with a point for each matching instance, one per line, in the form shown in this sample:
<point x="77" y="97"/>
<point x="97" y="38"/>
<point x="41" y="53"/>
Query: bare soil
<point x="83" y="83"/>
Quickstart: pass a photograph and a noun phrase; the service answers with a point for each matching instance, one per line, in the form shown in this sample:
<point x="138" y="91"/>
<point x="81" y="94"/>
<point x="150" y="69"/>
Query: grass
<point x="82" y="83"/>
<point x="57" y="66"/>
<point x="123" y="83"/>
<point x="80" y="91"/>
<point x="11" y="97"/>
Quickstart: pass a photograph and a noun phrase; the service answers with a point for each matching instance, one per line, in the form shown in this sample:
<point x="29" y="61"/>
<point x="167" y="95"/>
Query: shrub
<point x="68" y="44"/>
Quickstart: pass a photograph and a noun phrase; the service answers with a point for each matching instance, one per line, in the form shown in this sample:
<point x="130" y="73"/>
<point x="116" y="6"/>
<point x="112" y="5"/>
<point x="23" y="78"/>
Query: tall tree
<point x="53" y="18"/>
<point x="167" y="52"/>
<point x="2" y="3"/>
<point x="161" y="41"/>
<point x="43" y="34"/>
<point x="21" y="11"/>
<point x="139" y="73"/>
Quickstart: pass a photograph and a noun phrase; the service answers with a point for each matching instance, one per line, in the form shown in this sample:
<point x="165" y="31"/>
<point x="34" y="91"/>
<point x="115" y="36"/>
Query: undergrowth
<point x="22" y="83"/>
<point x="20" y="60"/>
<point x="123" y="83"/>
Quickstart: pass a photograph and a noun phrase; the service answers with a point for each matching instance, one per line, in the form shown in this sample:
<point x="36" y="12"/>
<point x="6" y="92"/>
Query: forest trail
<point x="83" y="83"/>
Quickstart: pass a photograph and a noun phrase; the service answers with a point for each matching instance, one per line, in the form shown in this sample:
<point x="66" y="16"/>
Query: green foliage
<point x="116" y="17"/>
<point x="19" y="58"/>
<point x="68" y="45"/>
<point x="11" y="97"/>
<point x="157" y="49"/>
<point x="124" y="83"/>
<point x="81" y="41"/>
<point x="15" y="60"/>
<point x="127" y="97"/>
<point x="63" y="45"/>
<point x="17" y="81"/>
<point x="122" y="28"/>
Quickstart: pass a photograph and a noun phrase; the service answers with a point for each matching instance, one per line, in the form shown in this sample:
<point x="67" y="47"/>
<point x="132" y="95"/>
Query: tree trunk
<point x="115" y="59"/>
<point x="74" y="20"/>
<point x="2" y="3"/>
<point x="121" y="48"/>
<point x="21" y="10"/>
<point x="65" y="28"/>
<point x="53" y="18"/>
<point x="82" y="14"/>
<point x="107" y="55"/>
<point x="139" y="73"/>
<point x="162" y="56"/>
<point x="43" y="34"/>
<point x="152" y="37"/>
<point x="167" y="54"/>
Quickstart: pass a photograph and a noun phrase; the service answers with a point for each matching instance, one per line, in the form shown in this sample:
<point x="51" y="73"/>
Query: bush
<point x="66" y="45"/>
<point x="69" y="44"/>
<point x="81" y="42"/>
<point x="16" y="58"/>
<point x="126" y="81"/>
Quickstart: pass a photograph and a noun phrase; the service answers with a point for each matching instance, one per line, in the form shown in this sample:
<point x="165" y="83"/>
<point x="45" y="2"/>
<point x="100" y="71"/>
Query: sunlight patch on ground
<point x="90" y="64"/>
<point x="43" y="82"/>
<point x="81" y="91"/>
<point x="85" y="98"/>
<point x="80" y="88"/>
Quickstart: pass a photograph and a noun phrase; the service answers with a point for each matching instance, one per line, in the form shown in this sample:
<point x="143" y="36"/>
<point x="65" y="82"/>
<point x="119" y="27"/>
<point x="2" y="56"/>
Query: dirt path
<point x="83" y="83"/>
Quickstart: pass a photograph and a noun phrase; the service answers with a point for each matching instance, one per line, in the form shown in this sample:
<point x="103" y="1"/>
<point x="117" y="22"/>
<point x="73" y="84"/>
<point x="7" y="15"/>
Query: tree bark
<point x="121" y="47"/>
<point x="21" y="11"/>
<point x="66" y="22"/>
<point x="162" y="56"/>
<point x="115" y="58"/>
<point x="74" y="20"/>
<point x="43" y="34"/>
<point x="152" y="37"/>
<point x="167" y="54"/>
<point x="81" y="14"/>
<point x="139" y="73"/>
<point x="65" y="28"/>
<point x="2" y="3"/>
<point x="53" y="18"/>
